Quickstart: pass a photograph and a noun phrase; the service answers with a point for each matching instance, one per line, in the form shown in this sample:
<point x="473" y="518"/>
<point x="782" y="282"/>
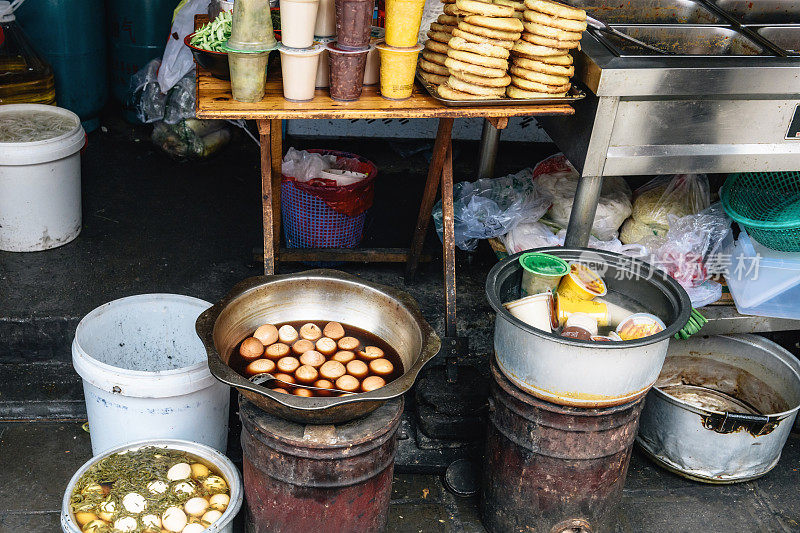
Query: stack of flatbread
<point x="541" y="65"/>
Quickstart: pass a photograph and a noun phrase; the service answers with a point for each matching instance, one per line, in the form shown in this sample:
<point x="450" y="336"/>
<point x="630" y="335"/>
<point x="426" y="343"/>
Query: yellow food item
<point x="403" y="19"/>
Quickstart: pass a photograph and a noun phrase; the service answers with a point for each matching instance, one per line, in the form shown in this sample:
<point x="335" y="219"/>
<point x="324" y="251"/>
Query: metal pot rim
<point x="656" y="275"/>
<point x="765" y="344"/>
<point x="205" y="330"/>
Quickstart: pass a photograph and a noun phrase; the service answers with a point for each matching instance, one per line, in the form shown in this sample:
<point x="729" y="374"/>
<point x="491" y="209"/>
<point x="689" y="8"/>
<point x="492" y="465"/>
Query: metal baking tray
<point x="682" y="41"/>
<point x="787" y="37"/>
<point x="573" y="95"/>
<point x="762" y="11"/>
<point x="648" y="11"/>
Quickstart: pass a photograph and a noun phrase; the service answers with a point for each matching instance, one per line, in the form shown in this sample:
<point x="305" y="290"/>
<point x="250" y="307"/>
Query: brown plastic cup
<point x="353" y="23"/>
<point x="347" y="71"/>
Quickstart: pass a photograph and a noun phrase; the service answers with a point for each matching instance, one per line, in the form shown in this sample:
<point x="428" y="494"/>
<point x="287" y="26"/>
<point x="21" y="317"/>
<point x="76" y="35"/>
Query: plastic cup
<point x="541" y="272"/>
<point x="535" y="310"/>
<point x="347" y="72"/>
<point x="353" y="23"/>
<point x="325" y="25"/>
<point x="582" y="283"/>
<point x="297" y="22"/>
<point x="299" y="70"/>
<point x="248" y="74"/>
<point x="251" y="26"/>
<point x="324" y="65"/>
<point x="372" y="72"/>
<point x="640" y="325"/>
<point x="403" y="18"/>
<point x="398" y="66"/>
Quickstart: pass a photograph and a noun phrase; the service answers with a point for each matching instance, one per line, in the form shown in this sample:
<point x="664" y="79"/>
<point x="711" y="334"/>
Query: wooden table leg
<point x="276" y="146"/>
<point x="448" y="243"/>
<point x="440" y="148"/>
<point x="264" y="131"/>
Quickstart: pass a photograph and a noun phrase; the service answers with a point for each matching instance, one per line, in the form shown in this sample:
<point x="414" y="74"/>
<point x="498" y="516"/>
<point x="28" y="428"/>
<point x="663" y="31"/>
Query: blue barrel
<point x="137" y="32"/>
<point x="71" y="36"/>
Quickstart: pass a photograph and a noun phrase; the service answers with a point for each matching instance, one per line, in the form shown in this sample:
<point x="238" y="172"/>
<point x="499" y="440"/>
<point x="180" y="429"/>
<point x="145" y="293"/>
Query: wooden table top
<point x="214" y="101"/>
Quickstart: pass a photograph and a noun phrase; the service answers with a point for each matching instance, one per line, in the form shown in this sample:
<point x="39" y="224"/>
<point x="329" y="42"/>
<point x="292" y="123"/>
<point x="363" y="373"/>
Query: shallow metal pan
<point x="761" y="11"/>
<point x="683" y="41"/>
<point x="648" y="11"/>
<point x="786" y="38"/>
<point x="573" y="95"/>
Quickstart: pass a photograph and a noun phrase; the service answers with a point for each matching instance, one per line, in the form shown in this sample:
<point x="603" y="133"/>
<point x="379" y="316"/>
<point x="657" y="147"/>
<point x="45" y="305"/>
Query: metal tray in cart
<point x="762" y="11"/>
<point x="683" y="41"/>
<point x="573" y="95"/>
<point x="649" y="11"/>
<point x="786" y="37"/>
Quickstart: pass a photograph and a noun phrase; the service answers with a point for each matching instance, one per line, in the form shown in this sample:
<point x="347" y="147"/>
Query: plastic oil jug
<point x="24" y="76"/>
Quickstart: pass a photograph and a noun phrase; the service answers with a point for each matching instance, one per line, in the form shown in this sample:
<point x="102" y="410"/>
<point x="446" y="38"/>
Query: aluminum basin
<point x="786" y="38"/>
<point x="707" y="445"/>
<point x="317" y="295"/>
<point x="762" y="11"/>
<point x="695" y="41"/>
<point x="648" y="11"/>
<point x="582" y="373"/>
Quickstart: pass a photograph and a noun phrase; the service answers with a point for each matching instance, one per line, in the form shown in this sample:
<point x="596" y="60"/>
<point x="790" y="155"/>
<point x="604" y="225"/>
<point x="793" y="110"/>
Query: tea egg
<point x="251" y="348"/>
<point x="196" y="506"/>
<point x="333" y="330"/>
<point x="157" y="487"/>
<point x="267" y="334"/>
<point x="287" y="334"/>
<point x="310" y="331"/>
<point x="219" y="502"/>
<point x="84" y="517"/>
<point x="134" y="503"/>
<point x="199" y="470"/>
<point x="211" y="517"/>
<point x="126" y="524"/>
<point x="151" y="521"/>
<point x="194" y="528"/>
<point x="326" y="346"/>
<point x="372" y="383"/>
<point x="215" y="484"/>
<point x="184" y="487"/>
<point x="179" y="471"/>
<point x="108" y="510"/>
<point x="174" y="519"/>
<point x="95" y="526"/>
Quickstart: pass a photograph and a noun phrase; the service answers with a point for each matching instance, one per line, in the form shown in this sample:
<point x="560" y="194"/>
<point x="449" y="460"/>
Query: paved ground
<point x="154" y="225"/>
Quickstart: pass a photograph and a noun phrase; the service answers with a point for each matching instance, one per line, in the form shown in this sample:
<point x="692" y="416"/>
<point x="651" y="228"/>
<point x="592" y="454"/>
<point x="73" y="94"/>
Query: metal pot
<point x="211" y="456"/>
<point x="581" y="373"/>
<point x="721" y="447"/>
<point x="322" y="295"/>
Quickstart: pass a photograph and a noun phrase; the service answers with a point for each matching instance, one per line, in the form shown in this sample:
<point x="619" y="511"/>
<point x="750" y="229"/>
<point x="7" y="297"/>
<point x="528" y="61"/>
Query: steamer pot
<point x="581" y="373"/>
<point x="322" y="295"/>
<point x="716" y="447"/>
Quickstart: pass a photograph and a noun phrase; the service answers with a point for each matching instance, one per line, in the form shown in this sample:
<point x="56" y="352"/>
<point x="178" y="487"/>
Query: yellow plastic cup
<point x="582" y="283"/>
<point x="566" y="307"/>
<point x="398" y="66"/>
<point x="403" y="18"/>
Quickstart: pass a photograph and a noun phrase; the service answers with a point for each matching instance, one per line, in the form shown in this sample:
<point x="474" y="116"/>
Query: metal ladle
<point x="602" y="26"/>
<point x="266" y="378"/>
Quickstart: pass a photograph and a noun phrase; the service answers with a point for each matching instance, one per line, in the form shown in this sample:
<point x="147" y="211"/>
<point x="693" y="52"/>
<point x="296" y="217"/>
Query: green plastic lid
<point x="544" y="264"/>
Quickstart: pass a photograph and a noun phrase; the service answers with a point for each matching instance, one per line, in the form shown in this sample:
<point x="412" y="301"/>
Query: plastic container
<point x="145" y="373"/>
<point x="248" y="74"/>
<point x="582" y="283"/>
<point x="353" y="23"/>
<point x="324" y="64"/>
<point x="397" y="66"/>
<point x="536" y="310"/>
<point x="541" y="272"/>
<point x="325" y="25"/>
<point x="299" y="70"/>
<point x="73" y="41"/>
<point x="40" y="180"/>
<point x="403" y="19"/>
<point x="298" y="18"/>
<point x="639" y="326"/>
<point x="26" y="77"/>
<point x="372" y="72"/>
<point x="224" y="465"/>
<point x="767" y="205"/>
<point x="346" y="72"/>
<point x="137" y="32"/>
<point x="762" y="281"/>
<point x="251" y="27"/>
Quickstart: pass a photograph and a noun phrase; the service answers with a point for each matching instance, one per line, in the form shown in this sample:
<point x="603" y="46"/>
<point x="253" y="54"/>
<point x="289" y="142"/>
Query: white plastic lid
<point x="312" y="50"/>
<point x="334" y="47"/>
<point x="6" y="15"/>
<point x="583" y="321"/>
<point x="29" y="137"/>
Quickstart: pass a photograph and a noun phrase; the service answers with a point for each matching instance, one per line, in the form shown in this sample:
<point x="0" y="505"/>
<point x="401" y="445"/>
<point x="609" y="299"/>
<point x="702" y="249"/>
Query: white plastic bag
<point x="529" y="235"/>
<point x="305" y="166"/>
<point x="177" y="60"/>
<point x="557" y="176"/>
<point x="490" y="208"/>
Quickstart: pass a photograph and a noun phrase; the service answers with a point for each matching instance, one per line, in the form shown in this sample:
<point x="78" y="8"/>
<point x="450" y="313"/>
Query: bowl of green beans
<point x="206" y="45"/>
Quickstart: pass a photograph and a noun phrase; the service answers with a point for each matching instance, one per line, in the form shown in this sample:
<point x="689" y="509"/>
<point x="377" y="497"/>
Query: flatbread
<point x="433" y="68"/>
<point x="449" y="93"/>
<point x="456" y="65"/>
<point x="433" y="57"/>
<point x="474" y="88"/>
<point x="433" y="79"/>
<point x="477" y="59"/>
<point x="540" y="77"/>
<point x="556" y="9"/>
<point x="440" y="36"/>
<point x="448" y="19"/>
<point x="512" y="91"/>
<point x="535" y="86"/>
<point x="550" y="33"/>
<point x="453" y="11"/>
<point x="479" y="39"/>
<point x="554" y="22"/>
<point x="544" y="68"/>
<point x="488" y="32"/>
<point x="481" y="8"/>
<point x="507" y="24"/>
<point x="552" y="43"/>
<point x="530" y="49"/>
<point x="563" y="60"/>
<point x="486" y="49"/>
<point x="518" y="5"/>
<point x="482" y="80"/>
<point x="436" y="47"/>
<point x="446" y="28"/>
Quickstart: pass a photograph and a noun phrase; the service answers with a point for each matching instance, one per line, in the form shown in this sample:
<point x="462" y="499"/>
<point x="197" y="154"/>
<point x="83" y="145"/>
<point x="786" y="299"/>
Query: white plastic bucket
<point x="225" y="466"/>
<point x="145" y="373"/>
<point x="40" y="186"/>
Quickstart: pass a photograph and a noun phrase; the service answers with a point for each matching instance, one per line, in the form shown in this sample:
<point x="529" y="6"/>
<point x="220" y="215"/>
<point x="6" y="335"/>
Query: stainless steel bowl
<point x="317" y="295"/>
<point x="648" y="11"/>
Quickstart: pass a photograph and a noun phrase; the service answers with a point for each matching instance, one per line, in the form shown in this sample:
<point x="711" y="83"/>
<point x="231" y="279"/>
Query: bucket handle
<point x="756" y="425"/>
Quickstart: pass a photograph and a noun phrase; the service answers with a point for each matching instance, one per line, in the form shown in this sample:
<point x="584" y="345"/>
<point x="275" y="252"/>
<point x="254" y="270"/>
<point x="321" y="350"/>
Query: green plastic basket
<point x="767" y="205"/>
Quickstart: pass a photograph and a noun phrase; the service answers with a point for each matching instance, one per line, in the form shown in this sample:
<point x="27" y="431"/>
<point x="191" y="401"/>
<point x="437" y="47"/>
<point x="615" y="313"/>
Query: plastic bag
<point x="145" y="95"/>
<point x="679" y="195"/>
<point x="690" y="243"/>
<point x="177" y="60"/>
<point x="529" y="235"/>
<point x="557" y="176"/>
<point x="492" y="207"/>
<point x="351" y="200"/>
<point x="191" y="138"/>
<point x="180" y="100"/>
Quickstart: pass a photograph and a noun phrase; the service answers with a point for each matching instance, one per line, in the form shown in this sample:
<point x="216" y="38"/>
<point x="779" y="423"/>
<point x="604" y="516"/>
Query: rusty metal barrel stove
<point x="554" y="469"/>
<point x="318" y="478"/>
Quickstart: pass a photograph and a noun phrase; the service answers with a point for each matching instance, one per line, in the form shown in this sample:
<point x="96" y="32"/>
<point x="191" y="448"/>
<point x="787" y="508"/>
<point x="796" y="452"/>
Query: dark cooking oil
<point x="366" y="338"/>
<point x="25" y="78"/>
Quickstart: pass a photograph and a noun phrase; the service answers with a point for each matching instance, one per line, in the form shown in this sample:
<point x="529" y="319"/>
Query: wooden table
<point x="214" y="101"/>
